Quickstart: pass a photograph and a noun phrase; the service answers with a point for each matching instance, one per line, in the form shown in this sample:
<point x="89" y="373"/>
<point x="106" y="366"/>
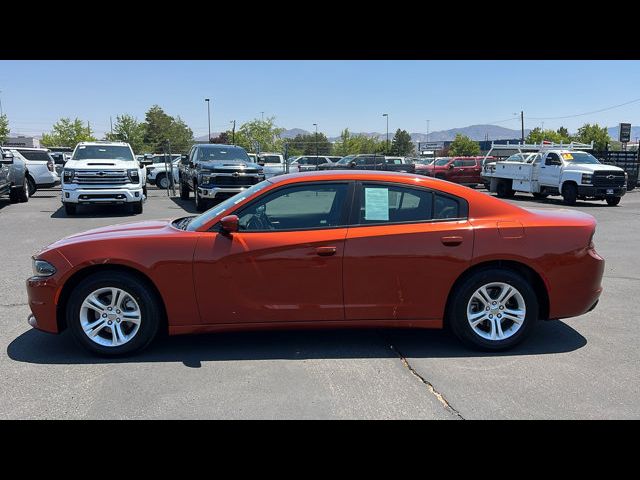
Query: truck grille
<point x="608" y="179"/>
<point x="101" y="177"/>
<point x="234" y="181"/>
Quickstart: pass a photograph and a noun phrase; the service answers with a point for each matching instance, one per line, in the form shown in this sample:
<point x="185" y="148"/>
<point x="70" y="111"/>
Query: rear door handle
<point x="325" y="251"/>
<point x="451" y="241"/>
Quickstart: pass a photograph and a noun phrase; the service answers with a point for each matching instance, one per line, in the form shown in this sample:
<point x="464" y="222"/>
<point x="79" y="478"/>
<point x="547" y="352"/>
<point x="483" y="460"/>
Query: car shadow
<point x="186" y="205"/>
<point x="556" y="201"/>
<point x="93" y="211"/>
<point x="42" y="348"/>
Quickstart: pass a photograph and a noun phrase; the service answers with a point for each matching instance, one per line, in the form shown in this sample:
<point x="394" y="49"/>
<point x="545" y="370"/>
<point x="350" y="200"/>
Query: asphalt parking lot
<point x="586" y="367"/>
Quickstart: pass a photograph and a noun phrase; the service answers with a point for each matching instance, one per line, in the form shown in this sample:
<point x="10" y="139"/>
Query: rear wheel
<point x="570" y="193"/>
<point x="162" y="181"/>
<point x="504" y="190"/>
<point x="70" y="208"/>
<point x="31" y="183"/>
<point x="540" y="195"/>
<point x="113" y="313"/>
<point x="184" y="190"/>
<point x="493" y="309"/>
<point x="440" y="176"/>
<point x="613" y="201"/>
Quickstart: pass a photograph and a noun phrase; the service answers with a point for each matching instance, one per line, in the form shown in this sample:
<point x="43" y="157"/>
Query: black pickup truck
<point x="369" y="162"/>
<point x="215" y="172"/>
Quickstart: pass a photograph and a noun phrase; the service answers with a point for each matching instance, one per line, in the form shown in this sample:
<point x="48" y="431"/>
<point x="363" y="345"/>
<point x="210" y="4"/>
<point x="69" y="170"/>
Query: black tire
<point x="440" y="176"/>
<point x="144" y="190"/>
<point x="14" y="195"/>
<point x="70" y="208"/>
<point x="32" y="185"/>
<point x="139" y="290"/>
<point x="504" y="190"/>
<point x="540" y="195"/>
<point x="184" y="190"/>
<point x="570" y="193"/>
<point x="613" y="201"/>
<point x="458" y="303"/>
<point x="162" y="181"/>
<point x="136" y="207"/>
<point x="201" y="204"/>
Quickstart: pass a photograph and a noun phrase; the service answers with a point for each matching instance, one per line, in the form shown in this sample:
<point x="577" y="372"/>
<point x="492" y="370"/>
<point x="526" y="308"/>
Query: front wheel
<point x="570" y="193"/>
<point x="184" y="190"/>
<point x="493" y="310"/>
<point x="201" y="204"/>
<point x="613" y="201"/>
<point x="70" y="208"/>
<point x="113" y="313"/>
<point x="32" y="186"/>
<point x="136" y="207"/>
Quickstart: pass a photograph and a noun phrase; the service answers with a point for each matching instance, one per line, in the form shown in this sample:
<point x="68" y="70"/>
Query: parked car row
<point x="13" y="177"/>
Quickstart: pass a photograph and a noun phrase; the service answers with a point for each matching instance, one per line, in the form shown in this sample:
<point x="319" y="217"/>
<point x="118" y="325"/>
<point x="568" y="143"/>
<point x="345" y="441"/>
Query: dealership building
<point x="22" y="141"/>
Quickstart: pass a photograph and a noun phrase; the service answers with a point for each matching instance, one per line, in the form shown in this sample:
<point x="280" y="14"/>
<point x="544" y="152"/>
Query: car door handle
<point x="451" y="241"/>
<point x="326" y="251"/>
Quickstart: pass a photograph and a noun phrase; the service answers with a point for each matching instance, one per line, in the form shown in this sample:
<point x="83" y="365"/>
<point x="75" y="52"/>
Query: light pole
<point x="209" y="119"/>
<point x="316" y="125"/>
<point x="387" y="147"/>
<point x="233" y="133"/>
<point x="262" y="119"/>
<point x="0" y="103"/>
<point x="428" y="130"/>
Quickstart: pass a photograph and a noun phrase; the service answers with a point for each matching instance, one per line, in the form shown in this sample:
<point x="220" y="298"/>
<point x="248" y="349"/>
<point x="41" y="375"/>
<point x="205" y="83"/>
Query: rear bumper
<point x="591" y="191"/>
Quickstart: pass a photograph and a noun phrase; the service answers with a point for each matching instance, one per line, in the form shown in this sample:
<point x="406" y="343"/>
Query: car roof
<point x="104" y="143"/>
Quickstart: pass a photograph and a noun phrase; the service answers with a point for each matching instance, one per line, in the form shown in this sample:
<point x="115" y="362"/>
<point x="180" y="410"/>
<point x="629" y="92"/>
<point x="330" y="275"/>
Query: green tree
<point x="306" y="144"/>
<point x="260" y="134"/>
<point x="4" y="128"/>
<point x="588" y="133"/>
<point x="402" y="144"/>
<point x="537" y="135"/>
<point x="68" y="133"/>
<point x="463" y="146"/>
<point x="160" y="128"/>
<point x="128" y="129"/>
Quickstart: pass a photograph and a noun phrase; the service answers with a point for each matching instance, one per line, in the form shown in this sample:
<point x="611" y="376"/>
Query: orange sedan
<point x="323" y="250"/>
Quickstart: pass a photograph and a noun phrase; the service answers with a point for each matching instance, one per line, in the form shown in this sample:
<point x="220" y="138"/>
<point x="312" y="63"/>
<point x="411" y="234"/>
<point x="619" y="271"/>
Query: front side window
<point x="552" y="159"/>
<point x="102" y="152"/>
<point x="303" y="207"/>
<point x="397" y="204"/>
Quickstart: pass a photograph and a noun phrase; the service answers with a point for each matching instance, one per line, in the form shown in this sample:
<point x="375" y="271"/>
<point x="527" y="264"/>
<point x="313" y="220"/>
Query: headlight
<point x="586" y="178"/>
<point x="205" y="179"/>
<point x="42" y="268"/>
<point x="133" y="175"/>
<point x="67" y="175"/>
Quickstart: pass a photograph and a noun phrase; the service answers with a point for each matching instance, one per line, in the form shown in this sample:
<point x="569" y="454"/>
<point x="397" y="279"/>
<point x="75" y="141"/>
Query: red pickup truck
<point x="463" y="170"/>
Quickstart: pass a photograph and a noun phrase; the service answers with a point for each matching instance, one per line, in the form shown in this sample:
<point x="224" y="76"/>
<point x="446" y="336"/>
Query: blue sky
<point x="334" y="94"/>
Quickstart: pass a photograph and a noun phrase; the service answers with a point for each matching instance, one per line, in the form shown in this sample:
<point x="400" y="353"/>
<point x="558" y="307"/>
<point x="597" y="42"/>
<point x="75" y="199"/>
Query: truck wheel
<point x="113" y="313"/>
<point x="570" y="193"/>
<point x="31" y="183"/>
<point x="20" y="194"/>
<point x="200" y="203"/>
<point x="503" y="189"/>
<point x="136" y="207"/>
<point x="613" y="201"/>
<point x="70" y="208"/>
<point x="144" y="190"/>
<point x="540" y="195"/>
<point x="493" y="309"/>
<point x="162" y="181"/>
<point x="184" y="190"/>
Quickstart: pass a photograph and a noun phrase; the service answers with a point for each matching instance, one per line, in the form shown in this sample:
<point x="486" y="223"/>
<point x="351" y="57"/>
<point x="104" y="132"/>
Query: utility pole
<point x="88" y="128"/>
<point x="522" y="123"/>
<point x="428" y="131"/>
<point x="262" y="119"/>
<point x="111" y="123"/>
<point x="209" y="119"/>
<point x="233" y="133"/>
<point x="1" y="103"/>
<point x="316" y="125"/>
<point x="387" y="147"/>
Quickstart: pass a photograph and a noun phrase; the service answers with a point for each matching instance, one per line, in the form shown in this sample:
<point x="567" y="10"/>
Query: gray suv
<point x="13" y="177"/>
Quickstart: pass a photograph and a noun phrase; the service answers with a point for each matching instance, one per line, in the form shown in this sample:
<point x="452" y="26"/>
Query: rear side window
<point x="35" y="155"/>
<point x="445" y="207"/>
<point x="469" y="163"/>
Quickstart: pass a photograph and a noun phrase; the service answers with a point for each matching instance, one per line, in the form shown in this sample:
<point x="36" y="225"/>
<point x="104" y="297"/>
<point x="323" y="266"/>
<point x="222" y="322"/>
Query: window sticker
<point x="567" y="156"/>
<point x="376" y="204"/>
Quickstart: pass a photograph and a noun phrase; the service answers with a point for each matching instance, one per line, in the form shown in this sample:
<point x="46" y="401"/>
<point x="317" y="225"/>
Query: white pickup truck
<point x="558" y="170"/>
<point x="103" y="173"/>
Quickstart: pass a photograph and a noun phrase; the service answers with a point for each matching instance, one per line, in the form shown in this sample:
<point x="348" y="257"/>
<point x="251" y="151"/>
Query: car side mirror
<point x="230" y="223"/>
<point x="7" y="158"/>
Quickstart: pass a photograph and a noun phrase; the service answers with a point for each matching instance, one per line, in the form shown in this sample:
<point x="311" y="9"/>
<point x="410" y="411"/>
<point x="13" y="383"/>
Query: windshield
<point x="347" y="159"/>
<point x="441" y="162"/>
<point x="208" y="153"/>
<point x="270" y="159"/>
<point x="579" y="157"/>
<point x="102" y="152"/>
<point x="207" y="216"/>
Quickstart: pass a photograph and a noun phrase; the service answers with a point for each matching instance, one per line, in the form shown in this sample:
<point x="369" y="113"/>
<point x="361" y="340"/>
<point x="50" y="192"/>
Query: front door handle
<point x="325" y="251"/>
<point x="451" y="241"/>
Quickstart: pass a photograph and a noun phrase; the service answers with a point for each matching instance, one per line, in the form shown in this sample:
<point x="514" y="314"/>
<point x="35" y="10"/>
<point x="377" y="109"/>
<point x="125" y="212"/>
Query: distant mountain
<point x="475" y="132"/>
<point x="293" y="133"/>
<point x="613" y="132"/>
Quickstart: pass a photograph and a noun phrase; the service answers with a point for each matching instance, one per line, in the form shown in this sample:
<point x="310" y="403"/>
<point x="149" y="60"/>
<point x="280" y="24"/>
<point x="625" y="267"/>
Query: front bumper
<point x="102" y="195"/>
<point x="591" y="191"/>
<point x="211" y="192"/>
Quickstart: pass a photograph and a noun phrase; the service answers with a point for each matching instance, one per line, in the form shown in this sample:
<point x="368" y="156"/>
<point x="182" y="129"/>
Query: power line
<point x="586" y="113"/>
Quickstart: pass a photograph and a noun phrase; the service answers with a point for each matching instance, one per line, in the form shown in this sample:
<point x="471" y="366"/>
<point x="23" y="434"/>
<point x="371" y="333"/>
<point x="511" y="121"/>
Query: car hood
<point x="591" y="167"/>
<point x="137" y="229"/>
<point x="92" y="164"/>
<point x="231" y="165"/>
